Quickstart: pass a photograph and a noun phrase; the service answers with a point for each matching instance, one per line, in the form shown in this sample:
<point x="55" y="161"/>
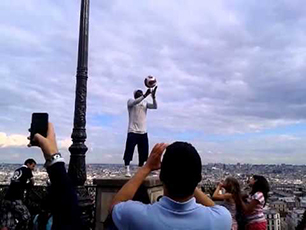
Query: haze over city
<point x="230" y="76"/>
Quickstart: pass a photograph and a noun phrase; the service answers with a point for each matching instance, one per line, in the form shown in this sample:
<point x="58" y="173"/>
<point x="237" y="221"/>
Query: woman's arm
<point x="218" y="196"/>
<point x="202" y="198"/>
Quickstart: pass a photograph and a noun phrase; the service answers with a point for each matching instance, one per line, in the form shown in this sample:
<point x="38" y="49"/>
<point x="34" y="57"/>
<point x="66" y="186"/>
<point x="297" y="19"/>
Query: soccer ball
<point x="150" y="82"/>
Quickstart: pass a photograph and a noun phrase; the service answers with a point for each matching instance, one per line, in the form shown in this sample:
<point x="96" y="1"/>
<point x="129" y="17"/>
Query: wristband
<point x="57" y="157"/>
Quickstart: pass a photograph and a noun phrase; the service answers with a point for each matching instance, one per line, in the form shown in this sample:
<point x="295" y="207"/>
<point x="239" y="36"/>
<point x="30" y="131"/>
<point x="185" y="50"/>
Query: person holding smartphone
<point x="65" y="210"/>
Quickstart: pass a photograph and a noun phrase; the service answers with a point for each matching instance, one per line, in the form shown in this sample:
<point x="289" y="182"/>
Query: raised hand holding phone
<point x="47" y="144"/>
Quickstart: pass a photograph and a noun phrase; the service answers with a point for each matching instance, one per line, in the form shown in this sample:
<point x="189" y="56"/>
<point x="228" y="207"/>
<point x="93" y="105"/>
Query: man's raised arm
<point x="128" y="191"/>
<point x="154" y="104"/>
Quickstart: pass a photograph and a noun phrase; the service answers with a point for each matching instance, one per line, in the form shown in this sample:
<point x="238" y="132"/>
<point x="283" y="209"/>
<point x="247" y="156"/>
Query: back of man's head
<point x="181" y="169"/>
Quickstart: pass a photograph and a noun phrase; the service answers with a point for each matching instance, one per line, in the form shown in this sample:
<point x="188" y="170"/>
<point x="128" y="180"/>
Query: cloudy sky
<point x="231" y="75"/>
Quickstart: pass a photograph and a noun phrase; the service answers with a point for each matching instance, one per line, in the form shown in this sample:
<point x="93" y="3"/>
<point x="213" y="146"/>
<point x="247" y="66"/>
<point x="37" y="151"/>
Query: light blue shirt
<point x="48" y="224"/>
<point x="168" y="214"/>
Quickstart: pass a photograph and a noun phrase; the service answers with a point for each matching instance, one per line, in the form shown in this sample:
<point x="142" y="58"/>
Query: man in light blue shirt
<point x="183" y="205"/>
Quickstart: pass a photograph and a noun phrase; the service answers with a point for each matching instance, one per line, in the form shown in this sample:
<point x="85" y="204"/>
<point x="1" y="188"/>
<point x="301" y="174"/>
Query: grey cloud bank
<point x="223" y="68"/>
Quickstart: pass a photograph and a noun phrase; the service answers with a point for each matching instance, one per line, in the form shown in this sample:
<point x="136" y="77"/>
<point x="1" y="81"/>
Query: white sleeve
<point x="133" y="102"/>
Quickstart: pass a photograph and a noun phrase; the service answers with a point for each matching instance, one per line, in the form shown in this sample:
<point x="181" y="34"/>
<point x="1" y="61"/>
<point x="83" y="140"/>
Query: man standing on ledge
<point x="137" y="131"/>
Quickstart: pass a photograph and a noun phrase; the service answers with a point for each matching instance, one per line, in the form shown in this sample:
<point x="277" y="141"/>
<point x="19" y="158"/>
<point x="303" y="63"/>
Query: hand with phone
<point x="43" y="135"/>
<point x="66" y="213"/>
<point x="47" y="144"/>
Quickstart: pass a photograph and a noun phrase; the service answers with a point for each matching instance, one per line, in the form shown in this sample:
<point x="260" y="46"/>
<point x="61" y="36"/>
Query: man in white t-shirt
<point x="137" y="130"/>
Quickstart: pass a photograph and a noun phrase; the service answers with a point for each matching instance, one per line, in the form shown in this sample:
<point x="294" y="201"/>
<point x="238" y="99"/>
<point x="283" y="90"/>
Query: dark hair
<point x="232" y="186"/>
<point x="261" y="185"/>
<point x="181" y="169"/>
<point x="30" y="161"/>
<point x="138" y="92"/>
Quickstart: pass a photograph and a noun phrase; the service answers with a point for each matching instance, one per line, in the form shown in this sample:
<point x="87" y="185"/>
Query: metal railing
<point x="35" y="197"/>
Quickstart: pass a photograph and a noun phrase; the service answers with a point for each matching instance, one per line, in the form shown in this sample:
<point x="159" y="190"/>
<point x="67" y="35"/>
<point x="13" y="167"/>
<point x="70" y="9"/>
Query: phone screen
<point x="39" y="125"/>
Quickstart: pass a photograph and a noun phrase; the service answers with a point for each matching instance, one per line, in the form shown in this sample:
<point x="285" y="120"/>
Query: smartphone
<point x="39" y="125"/>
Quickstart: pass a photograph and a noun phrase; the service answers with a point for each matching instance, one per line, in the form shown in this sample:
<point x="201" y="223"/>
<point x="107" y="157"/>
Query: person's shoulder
<point x="133" y="203"/>
<point x="130" y="206"/>
<point x="18" y="173"/>
<point x="219" y="217"/>
<point x="259" y="196"/>
<point x="130" y="102"/>
<point x="258" y="193"/>
<point x="124" y="212"/>
<point x="219" y="212"/>
<point x="26" y="171"/>
<point x="129" y="212"/>
<point x="219" y="209"/>
<point x="20" y="169"/>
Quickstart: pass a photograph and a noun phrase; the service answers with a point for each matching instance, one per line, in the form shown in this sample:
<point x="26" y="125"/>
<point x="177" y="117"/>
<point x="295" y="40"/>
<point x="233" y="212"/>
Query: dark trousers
<point x="142" y="142"/>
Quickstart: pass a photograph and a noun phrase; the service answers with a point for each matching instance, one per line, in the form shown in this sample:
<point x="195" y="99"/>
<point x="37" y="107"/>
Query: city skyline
<point x="230" y="76"/>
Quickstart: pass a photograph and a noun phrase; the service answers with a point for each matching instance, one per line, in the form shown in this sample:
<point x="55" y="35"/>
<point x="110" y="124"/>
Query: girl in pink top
<point x="256" y="201"/>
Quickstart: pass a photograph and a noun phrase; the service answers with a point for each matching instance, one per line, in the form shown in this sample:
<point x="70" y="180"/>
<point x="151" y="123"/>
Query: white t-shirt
<point x="137" y="114"/>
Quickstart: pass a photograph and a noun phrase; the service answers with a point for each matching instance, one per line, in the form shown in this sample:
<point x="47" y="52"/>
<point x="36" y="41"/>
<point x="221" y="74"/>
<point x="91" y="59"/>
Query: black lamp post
<point x="78" y="149"/>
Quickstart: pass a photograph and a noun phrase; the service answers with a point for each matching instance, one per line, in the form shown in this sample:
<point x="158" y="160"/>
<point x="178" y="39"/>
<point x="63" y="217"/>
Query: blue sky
<point x="231" y="75"/>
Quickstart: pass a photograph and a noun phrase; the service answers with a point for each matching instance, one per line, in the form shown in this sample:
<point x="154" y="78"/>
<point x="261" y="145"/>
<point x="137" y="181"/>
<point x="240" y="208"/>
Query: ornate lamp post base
<point x="87" y="207"/>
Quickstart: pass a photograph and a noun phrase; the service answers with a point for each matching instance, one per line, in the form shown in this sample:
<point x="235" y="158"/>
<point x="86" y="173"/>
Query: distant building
<point x="290" y="201"/>
<point x="282" y="194"/>
<point x="279" y="205"/>
<point x="282" y="209"/>
<point x="294" y="217"/>
<point x="303" y="202"/>
<point x="298" y="193"/>
<point x="273" y="219"/>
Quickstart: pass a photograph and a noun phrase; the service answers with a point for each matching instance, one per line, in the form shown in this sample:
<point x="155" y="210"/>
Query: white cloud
<point x="14" y="140"/>
<point x="221" y="70"/>
<point x="17" y="140"/>
<point x="65" y="144"/>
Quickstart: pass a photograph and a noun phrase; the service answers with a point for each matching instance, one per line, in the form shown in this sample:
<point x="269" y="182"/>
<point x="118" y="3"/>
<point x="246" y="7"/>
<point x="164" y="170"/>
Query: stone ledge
<point x="150" y="181"/>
